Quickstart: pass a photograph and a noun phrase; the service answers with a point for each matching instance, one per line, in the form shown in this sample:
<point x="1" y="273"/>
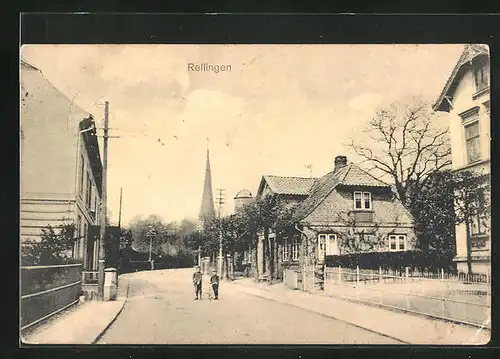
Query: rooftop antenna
<point x="310" y="170"/>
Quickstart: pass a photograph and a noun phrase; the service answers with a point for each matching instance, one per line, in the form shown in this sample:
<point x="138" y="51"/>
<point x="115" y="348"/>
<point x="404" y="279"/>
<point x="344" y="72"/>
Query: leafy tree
<point x="434" y="215"/>
<point x="54" y="247"/>
<point x="263" y="215"/>
<point x="407" y="143"/>
<point x="166" y="238"/>
<point x="126" y="238"/>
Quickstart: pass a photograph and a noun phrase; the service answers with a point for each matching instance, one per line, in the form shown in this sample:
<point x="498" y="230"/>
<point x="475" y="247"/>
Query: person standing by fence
<point x="214" y="282"/>
<point x="197" y="280"/>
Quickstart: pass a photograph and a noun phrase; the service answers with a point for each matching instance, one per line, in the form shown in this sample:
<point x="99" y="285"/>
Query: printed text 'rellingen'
<point x="206" y="67"/>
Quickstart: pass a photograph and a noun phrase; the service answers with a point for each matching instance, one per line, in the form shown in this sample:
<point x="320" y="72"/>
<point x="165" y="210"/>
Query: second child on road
<point x="214" y="282"/>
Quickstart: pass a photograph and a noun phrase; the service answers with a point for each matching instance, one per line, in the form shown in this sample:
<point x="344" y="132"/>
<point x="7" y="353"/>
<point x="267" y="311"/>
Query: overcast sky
<point x="278" y="109"/>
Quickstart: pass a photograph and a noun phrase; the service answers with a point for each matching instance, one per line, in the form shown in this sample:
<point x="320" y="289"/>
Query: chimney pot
<point x="340" y="161"/>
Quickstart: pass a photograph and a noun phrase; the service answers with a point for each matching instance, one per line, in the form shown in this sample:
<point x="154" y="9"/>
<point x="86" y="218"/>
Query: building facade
<point x="344" y="211"/>
<point x="466" y="100"/>
<point x="60" y="164"/>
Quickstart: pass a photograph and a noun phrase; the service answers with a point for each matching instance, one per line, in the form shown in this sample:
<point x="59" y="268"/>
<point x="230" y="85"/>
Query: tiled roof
<point x="350" y="175"/>
<point x="355" y="176"/>
<point x="299" y="186"/>
<point x="469" y="53"/>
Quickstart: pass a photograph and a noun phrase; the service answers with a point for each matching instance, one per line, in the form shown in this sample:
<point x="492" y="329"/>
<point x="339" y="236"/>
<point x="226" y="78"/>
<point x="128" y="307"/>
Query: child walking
<point x="214" y="282"/>
<point x="197" y="279"/>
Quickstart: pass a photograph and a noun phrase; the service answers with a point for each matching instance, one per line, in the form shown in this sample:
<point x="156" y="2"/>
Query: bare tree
<point x="407" y="144"/>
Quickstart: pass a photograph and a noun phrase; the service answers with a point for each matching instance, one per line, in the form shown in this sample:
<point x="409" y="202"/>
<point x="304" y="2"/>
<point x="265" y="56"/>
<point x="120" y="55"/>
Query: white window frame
<point x="471" y="122"/>
<point x="329" y="250"/>
<point x="396" y="238"/>
<point x="363" y="204"/>
<point x="295" y="248"/>
<point x="285" y="253"/>
<point x="484" y="70"/>
<point x="321" y="246"/>
<point x="325" y="244"/>
<point x="477" y="227"/>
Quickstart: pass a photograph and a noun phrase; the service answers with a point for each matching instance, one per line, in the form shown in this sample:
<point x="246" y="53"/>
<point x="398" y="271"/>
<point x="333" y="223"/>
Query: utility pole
<point x="120" y="212"/>
<point x="220" y="200"/>
<point x="103" y="219"/>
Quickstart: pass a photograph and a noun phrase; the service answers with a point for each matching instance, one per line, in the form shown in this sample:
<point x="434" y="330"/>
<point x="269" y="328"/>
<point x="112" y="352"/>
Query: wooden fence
<point x="48" y="290"/>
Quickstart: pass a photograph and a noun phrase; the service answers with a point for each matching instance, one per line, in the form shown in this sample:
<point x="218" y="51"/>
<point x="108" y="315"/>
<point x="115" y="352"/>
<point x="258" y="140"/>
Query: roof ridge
<point x="290" y="177"/>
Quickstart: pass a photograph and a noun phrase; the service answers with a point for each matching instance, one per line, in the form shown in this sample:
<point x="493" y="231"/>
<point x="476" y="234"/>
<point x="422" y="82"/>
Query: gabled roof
<point x="349" y="175"/>
<point x="470" y="52"/>
<point x="297" y="186"/>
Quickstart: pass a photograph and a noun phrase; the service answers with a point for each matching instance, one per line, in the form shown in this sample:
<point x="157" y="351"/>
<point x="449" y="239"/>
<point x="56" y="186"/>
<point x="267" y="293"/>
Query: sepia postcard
<point x="255" y="194"/>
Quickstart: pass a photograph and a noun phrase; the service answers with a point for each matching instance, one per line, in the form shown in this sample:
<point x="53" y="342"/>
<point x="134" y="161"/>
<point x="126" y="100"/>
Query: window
<point x="327" y="246"/>
<point x="76" y="251"/>
<point x="89" y="192"/>
<point x="82" y="174"/>
<point x="481" y="77"/>
<point x="397" y="242"/>
<point x="81" y="238"/>
<point x="84" y="239"/>
<point x="285" y="255"/>
<point x="295" y="249"/>
<point x="362" y="200"/>
<point x="332" y="247"/>
<point x="321" y="247"/>
<point x="478" y="226"/>
<point x="472" y="142"/>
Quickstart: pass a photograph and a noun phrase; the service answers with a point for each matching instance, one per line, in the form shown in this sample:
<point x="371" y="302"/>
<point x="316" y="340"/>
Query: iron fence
<point x="466" y="300"/>
<point x="48" y="290"/>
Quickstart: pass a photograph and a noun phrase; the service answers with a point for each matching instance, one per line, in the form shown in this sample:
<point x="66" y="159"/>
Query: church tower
<point x="207" y="210"/>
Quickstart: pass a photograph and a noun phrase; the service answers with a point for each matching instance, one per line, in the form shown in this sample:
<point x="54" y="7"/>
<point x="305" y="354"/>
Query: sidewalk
<point x="408" y="328"/>
<point x="83" y="324"/>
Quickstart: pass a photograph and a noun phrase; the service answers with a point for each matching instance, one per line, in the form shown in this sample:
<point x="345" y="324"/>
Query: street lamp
<point x="150" y="234"/>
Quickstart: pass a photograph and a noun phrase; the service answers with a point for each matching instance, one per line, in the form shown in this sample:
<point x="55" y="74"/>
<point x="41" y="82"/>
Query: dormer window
<point x="362" y="200"/>
<point x="481" y="77"/>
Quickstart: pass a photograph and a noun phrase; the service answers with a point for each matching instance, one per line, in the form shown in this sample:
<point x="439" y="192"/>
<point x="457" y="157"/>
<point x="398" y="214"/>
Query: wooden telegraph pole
<point x="220" y="200"/>
<point x="120" y="212"/>
<point x="103" y="219"/>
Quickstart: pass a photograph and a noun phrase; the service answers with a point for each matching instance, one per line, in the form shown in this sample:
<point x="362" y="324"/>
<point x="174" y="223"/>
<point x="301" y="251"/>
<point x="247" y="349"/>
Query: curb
<point x="99" y="336"/>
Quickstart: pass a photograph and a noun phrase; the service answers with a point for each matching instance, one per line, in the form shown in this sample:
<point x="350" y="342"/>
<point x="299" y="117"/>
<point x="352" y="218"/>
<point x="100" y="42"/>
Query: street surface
<point x="161" y="310"/>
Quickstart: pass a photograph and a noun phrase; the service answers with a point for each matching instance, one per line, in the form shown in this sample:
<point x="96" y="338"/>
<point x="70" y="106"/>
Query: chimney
<point x="340" y="161"/>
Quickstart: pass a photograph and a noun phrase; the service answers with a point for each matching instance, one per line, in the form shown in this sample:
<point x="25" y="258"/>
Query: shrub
<point x="53" y="248"/>
<point x="421" y="260"/>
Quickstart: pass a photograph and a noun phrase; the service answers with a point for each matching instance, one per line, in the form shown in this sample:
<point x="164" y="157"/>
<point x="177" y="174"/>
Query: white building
<point x="466" y="98"/>
<point x="60" y="164"/>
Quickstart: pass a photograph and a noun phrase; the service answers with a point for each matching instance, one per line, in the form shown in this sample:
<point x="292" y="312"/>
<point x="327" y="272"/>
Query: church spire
<point x="207" y="210"/>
